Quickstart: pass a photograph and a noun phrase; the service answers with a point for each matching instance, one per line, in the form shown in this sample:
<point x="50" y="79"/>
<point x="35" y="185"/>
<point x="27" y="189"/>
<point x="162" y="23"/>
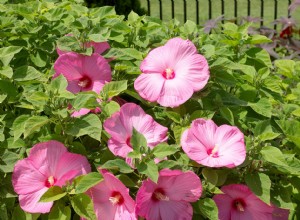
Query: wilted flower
<point x="48" y="164"/>
<point x="295" y="4"/>
<point x="120" y="126"/>
<point x="170" y="198"/>
<point x="111" y="199"/>
<point x="172" y="73"/>
<point x="212" y="23"/>
<point x="214" y="146"/>
<point x="83" y="73"/>
<point x="238" y="202"/>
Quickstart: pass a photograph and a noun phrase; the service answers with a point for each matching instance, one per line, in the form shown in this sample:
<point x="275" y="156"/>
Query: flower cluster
<point x="171" y="74"/>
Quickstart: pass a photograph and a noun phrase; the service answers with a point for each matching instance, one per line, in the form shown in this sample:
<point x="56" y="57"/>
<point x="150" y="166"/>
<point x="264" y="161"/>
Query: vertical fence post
<point x="148" y="6"/>
<point x="160" y="10"/>
<point x="172" y="6"/>
<point x="209" y="9"/>
<point x="249" y="7"/>
<point x="235" y="10"/>
<point x="197" y="12"/>
<point x="289" y="13"/>
<point x="184" y="10"/>
<point x="262" y="12"/>
<point x="275" y="12"/>
<point x="222" y="9"/>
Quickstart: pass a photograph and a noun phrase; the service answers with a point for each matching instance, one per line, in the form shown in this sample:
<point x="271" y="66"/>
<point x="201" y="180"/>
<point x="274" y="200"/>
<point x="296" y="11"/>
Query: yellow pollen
<point x="215" y="150"/>
<point x="51" y="180"/>
<point x="160" y="196"/>
<point x="115" y="200"/>
<point x="83" y="83"/>
<point x="169" y="72"/>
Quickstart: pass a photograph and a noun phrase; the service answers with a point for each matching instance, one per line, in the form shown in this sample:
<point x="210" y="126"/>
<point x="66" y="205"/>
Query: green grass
<point x="216" y="9"/>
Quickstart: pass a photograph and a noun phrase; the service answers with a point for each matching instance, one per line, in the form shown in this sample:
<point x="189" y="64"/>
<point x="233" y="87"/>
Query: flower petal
<point x="179" y="210"/>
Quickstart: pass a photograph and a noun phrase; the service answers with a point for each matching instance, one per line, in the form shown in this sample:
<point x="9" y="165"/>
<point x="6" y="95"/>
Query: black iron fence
<point x="202" y="10"/>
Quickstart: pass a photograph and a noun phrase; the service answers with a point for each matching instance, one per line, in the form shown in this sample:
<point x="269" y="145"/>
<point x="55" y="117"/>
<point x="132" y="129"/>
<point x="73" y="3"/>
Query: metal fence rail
<point x="231" y="9"/>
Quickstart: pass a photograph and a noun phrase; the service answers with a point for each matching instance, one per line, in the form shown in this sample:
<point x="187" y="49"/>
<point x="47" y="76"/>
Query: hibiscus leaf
<point x="260" y="184"/>
<point x="84" y="182"/>
<point x="53" y="193"/>
<point x="262" y="107"/>
<point x="207" y="208"/>
<point x="117" y="164"/>
<point x="60" y="211"/>
<point x="83" y="206"/>
<point x="112" y="89"/>
<point x="34" y="124"/>
<point x="162" y="150"/>
<point x="138" y="141"/>
<point x="150" y="169"/>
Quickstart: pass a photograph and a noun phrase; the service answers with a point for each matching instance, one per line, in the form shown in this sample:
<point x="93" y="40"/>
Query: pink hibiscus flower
<point x="83" y="73"/>
<point x="214" y="146"/>
<point x="111" y="199"/>
<point x="280" y="214"/>
<point x="238" y="202"/>
<point x="170" y="198"/>
<point x="48" y="164"/>
<point x="121" y="124"/>
<point x="172" y="73"/>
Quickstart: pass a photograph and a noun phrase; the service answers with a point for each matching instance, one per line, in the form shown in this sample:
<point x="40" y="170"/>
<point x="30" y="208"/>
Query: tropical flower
<point x="280" y="214"/>
<point x="172" y="73"/>
<point x="170" y="198"/>
<point x="214" y="146"/>
<point x="238" y="202"/>
<point x="83" y="73"/>
<point x="48" y="164"/>
<point x="111" y="199"/>
<point x="120" y="126"/>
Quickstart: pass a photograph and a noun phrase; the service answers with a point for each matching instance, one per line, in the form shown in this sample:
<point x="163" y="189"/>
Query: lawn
<point x="216" y="9"/>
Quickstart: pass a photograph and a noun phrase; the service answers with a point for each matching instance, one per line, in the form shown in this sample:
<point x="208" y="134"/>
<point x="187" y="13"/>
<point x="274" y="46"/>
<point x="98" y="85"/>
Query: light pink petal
<point x="100" y="193"/>
<point x="115" y="127"/>
<point x="97" y="86"/>
<point x="183" y="187"/>
<point x="175" y="92"/>
<point x="123" y="212"/>
<point x="180" y="49"/>
<point x="204" y="131"/>
<point x="149" y="86"/>
<point x="105" y="210"/>
<point x="70" y="162"/>
<point x="224" y="204"/>
<point x="26" y="178"/>
<point x="30" y="202"/>
<point x="179" y="210"/>
<point x="97" y="68"/>
<point x="81" y="112"/>
<point x="70" y="65"/>
<point x="46" y="155"/>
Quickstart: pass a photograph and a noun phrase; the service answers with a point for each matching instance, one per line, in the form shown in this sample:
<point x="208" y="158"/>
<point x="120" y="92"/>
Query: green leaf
<point x="117" y="164"/>
<point x="26" y="73"/>
<point x="111" y="107"/>
<point x="174" y="116"/>
<point x="260" y="184"/>
<point x="10" y="89"/>
<point x="83" y="206"/>
<point x="8" y="160"/>
<point x="285" y="67"/>
<point x="18" y="126"/>
<point x="84" y="182"/>
<point x="258" y="39"/>
<point x="150" y="169"/>
<point x="60" y="211"/>
<point x="86" y="125"/>
<point x="162" y="150"/>
<point x="227" y="114"/>
<point x="262" y="107"/>
<point x="138" y="141"/>
<point x="19" y="214"/>
<point x="124" y="54"/>
<point x="264" y="131"/>
<point x="260" y="55"/>
<point x="273" y="155"/>
<point x="34" y="124"/>
<point x="58" y="84"/>
<point x="7" y="54"/>
<point x="207" y="208"/>
<point x="39" y="58"/>
<point x="85" y="100"/>
<point x="126" y="180"/>
<point x="114" y="88"/>
<point x="52" y="194"/>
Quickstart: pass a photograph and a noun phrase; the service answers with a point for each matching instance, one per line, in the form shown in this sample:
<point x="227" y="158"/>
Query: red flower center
<point x="159" y="195"/>
<point x="85" y="82"/>
<point x="239" y="205"/>
<point x="128" y="142"/>
<point x="213" y="152"/>
<point x="50" y="181"/>
<point x="168" y="73"/>
<point x="116" y="198"/>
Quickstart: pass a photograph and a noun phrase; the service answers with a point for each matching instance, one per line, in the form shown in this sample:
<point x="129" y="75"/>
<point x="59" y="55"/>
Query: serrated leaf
<point x="207" y="208"/>
<point x="260" y="184"/>
<point x="18" y="126"/>
<point x="58" y="84"/>
<point x="52" y="194"/>
<point x="111" y="107"/>
<point x="150" y="169"/>
<point x="174" y="116"/>
<point x="84" y="182"/>
<point x="117" y="164"/>
<point x="138" y="141"/>
<point x="227" y="114"/>
<point x="34" y="124"/>
<point x="114" y="88"/>
<point x="262" y="107"/>
<point x="60" y="211"/>
<point x="162" y="150"/>
<point x="83" y="206"/>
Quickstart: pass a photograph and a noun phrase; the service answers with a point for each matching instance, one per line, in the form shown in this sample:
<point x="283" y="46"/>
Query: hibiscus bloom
<point x="214" y="146"/>
<point x="170" y="198"/>
<point x="48" y="164"/>
<point x="280" y="214"/>
<point x="111" y="199"/>
<point x="83" y="73"/>
<point x="238" y="202"/>
<point x="172" y="73"/>
<point x="121" y="124"/>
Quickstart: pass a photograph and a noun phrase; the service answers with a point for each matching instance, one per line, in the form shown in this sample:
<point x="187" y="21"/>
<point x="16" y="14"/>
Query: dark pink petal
<point x="46" y="155"/>
<point x="180" y="187"/>
<point x="98" y="47"/>
<point x="24" y="175"/>
<point x="280" y="214"/>
<point x="180" y="210"/>
<point x="81" y="112"/>
<point x="30" y="202"/>
<point x="224" y="204"/>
